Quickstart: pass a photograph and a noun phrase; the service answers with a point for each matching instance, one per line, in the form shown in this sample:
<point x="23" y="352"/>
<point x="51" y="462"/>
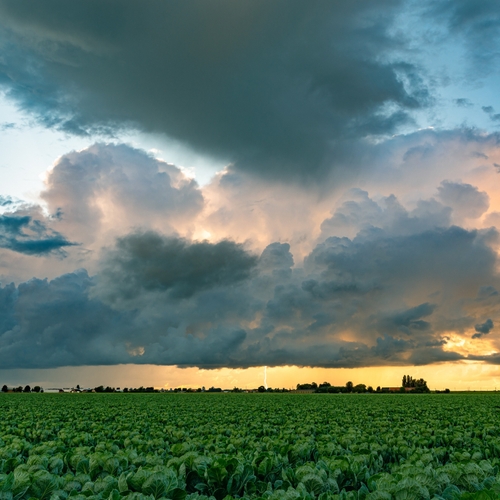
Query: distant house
<point x="303" y="391"/>
<point x="391" y="389"/>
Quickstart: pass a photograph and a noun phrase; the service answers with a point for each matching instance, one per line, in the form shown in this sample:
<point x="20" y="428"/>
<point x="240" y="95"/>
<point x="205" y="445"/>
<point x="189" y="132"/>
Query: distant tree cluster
<point x="104" y="389"/>
<point x="270" y="389"/>
<point x="409" y="385"/>
<point x="176" y="389"/>
<point x="307" y="387"/>
<point x="419" y="385"/>
<point x="26" y="388"/>
<point x="126" y="389"/>
<point x="189" y="389"/>
<point x="326" y="387"/>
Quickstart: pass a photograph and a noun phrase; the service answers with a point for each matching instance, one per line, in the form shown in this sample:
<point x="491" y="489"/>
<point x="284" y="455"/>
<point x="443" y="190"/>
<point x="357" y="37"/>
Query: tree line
<point x="409" y="384"/>
<point x="26" y="388"/>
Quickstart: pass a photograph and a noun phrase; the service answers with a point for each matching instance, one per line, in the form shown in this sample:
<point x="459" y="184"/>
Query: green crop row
<point x="259" y="446"/>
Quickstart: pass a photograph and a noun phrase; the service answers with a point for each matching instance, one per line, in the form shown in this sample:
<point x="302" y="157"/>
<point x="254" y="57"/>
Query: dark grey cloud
<point x="489" y="110"/>
<point x="392" y="259"/>
<point x="409" y="320"/>
<point x="279" y="87"/>
<point x="493" y="359"/>
<point x="466" y="200"/>
<point x="54" y="323"/>
<point x="148" y="261"/>
<point x="23" y="234"/>
<point x="483" y="329"/>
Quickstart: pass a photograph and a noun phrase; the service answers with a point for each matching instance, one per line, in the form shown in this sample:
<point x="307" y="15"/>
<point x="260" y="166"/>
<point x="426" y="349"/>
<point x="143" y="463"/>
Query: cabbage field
<point x="269" y="446"/>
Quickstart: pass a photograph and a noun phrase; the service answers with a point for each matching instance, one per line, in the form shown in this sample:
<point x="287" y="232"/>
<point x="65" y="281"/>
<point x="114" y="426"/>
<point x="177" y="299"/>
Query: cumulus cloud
<point x="466" y="200"/>
<point x="387" y="296"/>
<point x="277" y="260"/>
<point x="107" y="189"/>
<point x="409" y="167"/>
<point x="360" y="212"/>
<point x="54" y="323"/>
<point x="91" y="197"/>
<point x="277" y="94"/>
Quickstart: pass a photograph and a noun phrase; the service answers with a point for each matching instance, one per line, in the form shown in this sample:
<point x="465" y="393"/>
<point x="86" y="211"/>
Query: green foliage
<point x="419" y="385"/>
<point x="230" y="446"/>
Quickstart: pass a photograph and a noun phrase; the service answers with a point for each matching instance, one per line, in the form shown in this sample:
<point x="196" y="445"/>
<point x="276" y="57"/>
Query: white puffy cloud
<point x="110" y="188"/>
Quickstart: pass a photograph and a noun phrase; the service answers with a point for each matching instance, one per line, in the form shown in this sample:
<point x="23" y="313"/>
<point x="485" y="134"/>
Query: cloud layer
<point x="344" y="230"/>
<point x="393" y="294"/>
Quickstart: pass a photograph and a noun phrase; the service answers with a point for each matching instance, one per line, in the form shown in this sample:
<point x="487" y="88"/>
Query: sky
<point x="192" y="191"/>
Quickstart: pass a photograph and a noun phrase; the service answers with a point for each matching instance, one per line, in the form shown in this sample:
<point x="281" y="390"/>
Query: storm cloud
<point x="54" y="323"/>
<point x="353" y="218"/>
<point x="280" y="88"/>
<point x="386" y="296"/>
<point x="148" y="261"/>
